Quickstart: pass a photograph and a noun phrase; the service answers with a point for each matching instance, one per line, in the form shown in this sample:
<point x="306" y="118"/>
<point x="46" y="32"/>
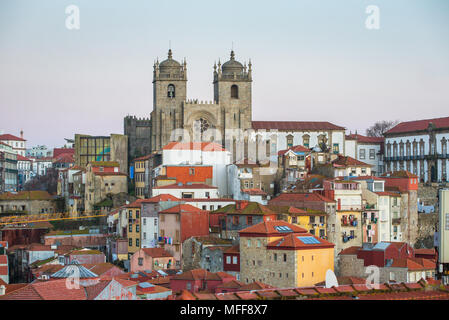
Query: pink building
<point x="149" y="259"/>
<point x="179" y="223"/>
<point x="86" y="256"/>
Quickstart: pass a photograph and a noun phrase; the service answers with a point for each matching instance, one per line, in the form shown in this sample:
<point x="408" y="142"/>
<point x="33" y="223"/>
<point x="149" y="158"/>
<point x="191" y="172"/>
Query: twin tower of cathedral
<point x="231" y="108"/>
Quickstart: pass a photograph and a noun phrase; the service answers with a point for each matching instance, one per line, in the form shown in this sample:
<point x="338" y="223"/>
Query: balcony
<point x="396" y="221"/>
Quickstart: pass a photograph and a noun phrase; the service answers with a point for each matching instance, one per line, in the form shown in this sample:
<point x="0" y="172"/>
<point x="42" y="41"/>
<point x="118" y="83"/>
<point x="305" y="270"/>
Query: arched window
<point x="171" y="91"/>
<point x="234" y="91"/>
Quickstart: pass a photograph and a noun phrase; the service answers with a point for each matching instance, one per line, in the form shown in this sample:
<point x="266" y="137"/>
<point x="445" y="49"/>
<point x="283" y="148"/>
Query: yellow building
<point x="314" y="221"/>
<point x="141" y="187"/>
<point x="283" y="255"/>
<point x="134" y="225"/>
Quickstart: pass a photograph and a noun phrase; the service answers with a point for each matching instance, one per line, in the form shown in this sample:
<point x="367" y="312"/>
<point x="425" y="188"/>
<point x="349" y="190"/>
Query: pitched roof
<point x="68" y="270"/>
<point x="93" y="291"/>
<point x="350" y="250"/>
<point x="251" y="208"/>
<point x="182" y="208"/>
<point x="299" y="242"/>
<point x="201" y="274"/>
<point x="425" y="251"/>
<point x="268" y="228"/>
<point x="365" y="139"/>
<point x="186" y="186"/>
<point x="26" y="195"/>
<point x="418" y="125"/>
<point x="300" y="197"/>
<point x="256" y="285"/>
<point x="233" y="249"/>
<point x="387" y="193"/>
<point x="7" y="137"/>
<point x="399" y="174"/>
<point x="161" y="197"/>
<point x="47" y="290"/>
<point x="156" y="252"/>
<point x="254" y="192"/>
<point x="105" y="174"/>
<point x="59" y="151"/>
<point x="143" y="158"/>
<point x="296" y="125"/>
<point x="22" y="158"/>
<point x="413" y="264"/>
<point x="100" y="268"/>
<point x="347" y="161"/>
<point x="204" y="146"/>
<point x="298" y="148"/>
<point x="64" y="158"/>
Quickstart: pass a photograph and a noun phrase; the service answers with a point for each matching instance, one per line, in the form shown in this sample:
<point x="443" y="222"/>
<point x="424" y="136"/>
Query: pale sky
<point x="312" y="60"/>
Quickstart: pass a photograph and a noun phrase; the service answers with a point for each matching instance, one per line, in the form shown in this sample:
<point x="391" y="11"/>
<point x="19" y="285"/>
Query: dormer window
<point x="171" y="91"/>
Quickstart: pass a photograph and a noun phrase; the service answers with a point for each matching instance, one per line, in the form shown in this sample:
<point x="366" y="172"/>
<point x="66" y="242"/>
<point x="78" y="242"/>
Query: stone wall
<point x="426" y="229"/>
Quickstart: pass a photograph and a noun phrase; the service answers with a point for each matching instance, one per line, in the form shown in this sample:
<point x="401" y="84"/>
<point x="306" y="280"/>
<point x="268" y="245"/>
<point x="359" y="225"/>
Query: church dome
<point x="169" y="64"/>
<point x="232" y="66"/>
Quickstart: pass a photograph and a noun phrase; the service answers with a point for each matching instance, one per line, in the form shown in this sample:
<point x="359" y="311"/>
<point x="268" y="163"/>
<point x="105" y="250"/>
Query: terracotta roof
<point x="425" y="251"/>
<point x="3" y="259"/>
<point x="64" y="158"/>
<point x="367" y="178"/>
<point x="156" y="252"/>
<point x="293" y="242"/>
<point x="22" y="158"/>
<point x="269" y="228"/>
<point x="296" y="125"/>
<point x="143" y="158"/>
<point x="7" y="137"/>
<point x="26" y="195"/>
<point x="201" y="274"/>
<point x="47" y="290"/>
<point x="254" y="192"/>
<point x="386" y="193"/>
<point x="350" y="250"/>
<point x="349" y="161"/>
<point x="413" y="264"/>
<point x="233" y="249"/>
<point x="13" y="286"/>
<point x="59" y="151"/>
<point x="418" y="125"/>
<point x="295" y="211"/>
<point x="399" y="174"/>
<point x="186" y="186"/>
<point x="233" y="284"/>
<point x="365" y="139"/>
<point x="300" y="197"/>
<point x="298" y="148"/>
<point x="162" y="197"/>
<point x="204" y="146"/>
<point x="93" y="291"/>
<point x="4" y="270"/>
<point x="182" y="208"/>
<point x="256" y="285"/>
<point x="251" y="208"/>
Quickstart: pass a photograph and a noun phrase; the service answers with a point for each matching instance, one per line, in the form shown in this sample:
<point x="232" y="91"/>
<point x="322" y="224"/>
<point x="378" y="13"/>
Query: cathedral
<point x="174" y="115"/>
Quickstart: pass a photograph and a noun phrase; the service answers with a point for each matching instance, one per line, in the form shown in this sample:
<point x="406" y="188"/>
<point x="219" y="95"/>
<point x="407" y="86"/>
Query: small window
<point x="140" y="261"/>
<point x="234" y="91"/>
<point x="171" y="91"/>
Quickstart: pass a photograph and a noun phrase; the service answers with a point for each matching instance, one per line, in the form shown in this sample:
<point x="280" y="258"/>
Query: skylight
<point x="309" y="240"/>
<point x="283" y="229"/>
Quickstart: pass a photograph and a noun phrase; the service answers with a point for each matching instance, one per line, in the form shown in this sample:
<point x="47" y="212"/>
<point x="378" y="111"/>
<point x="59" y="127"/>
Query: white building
<point x="41" y="165"/>
<point x="201" y="153"/>
<point x="25" y="170"/>
<point x="39" y="152"/>
<point x="366" y="149"/>
<point x="188" y="191"/>
<point x="419" y="147"/>
<point x="281" y="135"/>
<point x="350" y="167"/>
<point x="18" y="144"/>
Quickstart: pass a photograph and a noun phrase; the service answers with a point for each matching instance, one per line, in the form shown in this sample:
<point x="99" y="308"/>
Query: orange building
<point x="192" y="174"/>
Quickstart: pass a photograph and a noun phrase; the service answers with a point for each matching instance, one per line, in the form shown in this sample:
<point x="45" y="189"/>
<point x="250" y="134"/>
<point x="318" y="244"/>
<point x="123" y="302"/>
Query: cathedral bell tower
<point x="169" y="92"/>
<point x="232" y="90"/>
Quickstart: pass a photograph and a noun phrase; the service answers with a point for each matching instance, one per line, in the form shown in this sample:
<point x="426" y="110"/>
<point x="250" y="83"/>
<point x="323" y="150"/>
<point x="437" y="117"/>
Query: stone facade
<point x="204" y="254"/>
<point x="139" y="132"/>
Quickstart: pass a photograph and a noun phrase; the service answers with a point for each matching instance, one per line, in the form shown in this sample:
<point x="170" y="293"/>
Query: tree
<point x="379" y="128"/>
<point x="49" y="182"/>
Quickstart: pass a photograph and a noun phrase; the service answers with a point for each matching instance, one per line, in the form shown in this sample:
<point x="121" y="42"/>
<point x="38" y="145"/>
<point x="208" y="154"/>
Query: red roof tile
<point x="365" y="139"/>
<point x="3" y="259"/>
<point x="350" y="250"/>
<point x="161" y="197"/>
<point x="8" y="137"/>
<point x="348" y="161"/>
<point x="59" y="151"/>
<point x="293" y="242"/>
<point x="298" y="148"/>
<point x="267" y="228"/>
<point x="418" y="125"/>
<point x="254" y="192"/>
<point x="186" y="186"/>
<point x="300" y="197"/>
<point x="4" y="270"/>
<point x="156" y="252"/>
<point x="22" y="158"/>
<point x="295" y="125"/>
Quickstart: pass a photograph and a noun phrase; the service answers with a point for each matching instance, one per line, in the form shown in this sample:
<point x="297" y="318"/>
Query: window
<point x="228" y="260"/>
<point x="162" y="217"/>
<point x="248" y="243"/>
<point x="140" y="261"/>
<point x="372" y="154"/>
<point x="144" y="236"/>
<point x="130" y="228"/>
<point x="275" y="257"/>
<point x="186" y="195"/>
<point x="234" y="91"/>
<point x="235" y="220"/>
<point x="144" y="221"/>
<point x="191" y="171"/>
<point x="211" y="208"/>
<point x="137" y="214"/>
<point x="362" y="154"/>
<point x="137" y="243"/>
<point x="234" y="260"/>
<point x="204" y="207"/>
<point x="207" y="195"/>
<point x="289" y="141"/>
<point x="130" y="242"/>
<point x="259" y="244"/>
<point x="285" y="257"/>
<point x="137" y="228"/>
<point x="171" y="91"/>
<point x="306" y="140"/>
<point x="249" y="220"/>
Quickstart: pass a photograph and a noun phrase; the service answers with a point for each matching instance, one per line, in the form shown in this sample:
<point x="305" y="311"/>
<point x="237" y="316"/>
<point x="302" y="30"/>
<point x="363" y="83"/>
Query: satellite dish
<point x="331" y="279"/>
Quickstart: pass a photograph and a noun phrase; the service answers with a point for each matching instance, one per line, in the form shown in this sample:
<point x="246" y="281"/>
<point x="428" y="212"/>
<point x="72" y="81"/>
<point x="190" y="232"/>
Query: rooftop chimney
<point x="2" y="290"/>
<point x="21" y="134"/>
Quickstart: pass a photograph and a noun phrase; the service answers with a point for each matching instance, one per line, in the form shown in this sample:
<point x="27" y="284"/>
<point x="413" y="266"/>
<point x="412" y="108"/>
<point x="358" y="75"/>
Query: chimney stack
<point x="21" y="134"/>
<point x="2" y="290"/>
